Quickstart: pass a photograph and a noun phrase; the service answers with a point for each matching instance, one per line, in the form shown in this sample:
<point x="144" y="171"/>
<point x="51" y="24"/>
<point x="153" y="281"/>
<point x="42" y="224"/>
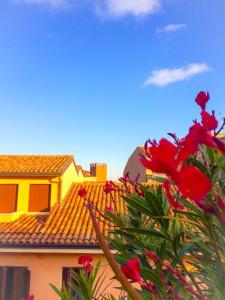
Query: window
<point x="39" y="197"/>
<point x="68" y="279"/>
<point x="8" y="198"/>
<point x="14" y="283"/>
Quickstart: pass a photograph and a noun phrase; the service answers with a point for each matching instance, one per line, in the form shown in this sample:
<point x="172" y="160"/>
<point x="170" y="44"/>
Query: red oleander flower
<point x="125" y="179"/>
<point x="109" y="187"/>
<point x="163" y="158"/>
<point x="109" y="208"/>
<point x="153" y="255"/>
<point x="82" y="193"/>
<point x="201" y="99"/>
<point x="209" y="122"/>
<point x="132" y="270"/>
<point x="197" y="135"/>
<point x="175" y="204"/>
<point x="194" y="184"/>
<point x="188" y="146"/>
<point x="31" y="297"/>
<point x="86" y="261"/>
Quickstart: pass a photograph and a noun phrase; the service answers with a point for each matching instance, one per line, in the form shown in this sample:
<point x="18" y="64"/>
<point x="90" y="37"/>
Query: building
<point x="135" y="168"/>
<point x="44" y="225"/>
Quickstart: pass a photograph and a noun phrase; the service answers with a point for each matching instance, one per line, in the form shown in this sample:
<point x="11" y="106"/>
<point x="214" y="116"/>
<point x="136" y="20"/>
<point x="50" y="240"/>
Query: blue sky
<point x="96" y="78"/>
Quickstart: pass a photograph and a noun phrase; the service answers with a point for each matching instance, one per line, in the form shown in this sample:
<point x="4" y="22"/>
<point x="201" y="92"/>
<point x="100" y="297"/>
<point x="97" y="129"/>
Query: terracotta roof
<point x="35" y="165"/>
<point x="86" y="173"/>
<point x="68" y="224"/>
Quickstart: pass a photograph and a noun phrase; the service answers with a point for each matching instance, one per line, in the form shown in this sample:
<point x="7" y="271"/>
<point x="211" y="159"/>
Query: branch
<point x="111" y="260"/>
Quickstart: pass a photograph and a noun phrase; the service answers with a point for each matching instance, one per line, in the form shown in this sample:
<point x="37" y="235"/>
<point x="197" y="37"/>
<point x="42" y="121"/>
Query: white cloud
<point x="119" y="8"/>
<point x="164" y="77"/>
<point x="52" y="3"/>
<point x="171" y="28"/>
<point x="105" y="8"/>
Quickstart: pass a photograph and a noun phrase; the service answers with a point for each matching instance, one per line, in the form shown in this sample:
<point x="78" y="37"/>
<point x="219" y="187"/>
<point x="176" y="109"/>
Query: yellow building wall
<point x="90" y="179"/>
<point x="70" y="176"/>
<point x="59" y="187"/>
<point x="47" y="268"/>
<point x="23" y="194"/>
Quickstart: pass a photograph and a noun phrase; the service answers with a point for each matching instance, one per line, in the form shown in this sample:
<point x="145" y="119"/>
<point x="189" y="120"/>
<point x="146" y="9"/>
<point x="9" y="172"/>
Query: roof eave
<point x="30" y="174"/>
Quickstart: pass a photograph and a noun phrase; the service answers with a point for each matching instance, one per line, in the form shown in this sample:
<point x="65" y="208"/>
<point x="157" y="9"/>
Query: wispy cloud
<point x="104" y="8"/>
<point x="120" y="8"/>
<point x="164" y="77"/>
<point x="171" y="28"/>
<point x="50" y="3"/>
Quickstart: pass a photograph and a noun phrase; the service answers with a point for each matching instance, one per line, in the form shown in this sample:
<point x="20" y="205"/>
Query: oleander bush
<point x="170" y="241"/>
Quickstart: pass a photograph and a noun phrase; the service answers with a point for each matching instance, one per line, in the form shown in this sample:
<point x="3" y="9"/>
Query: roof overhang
<point x="53" y="250"/>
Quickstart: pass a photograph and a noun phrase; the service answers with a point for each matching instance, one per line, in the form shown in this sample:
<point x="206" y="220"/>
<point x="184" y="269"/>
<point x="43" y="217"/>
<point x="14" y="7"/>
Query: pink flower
<point x="86" y="261"/>
<point x="82" y="193"/>
<point x="132" y="270"/>
<point x="109" y="187"/>
<point x="201" y="99"/>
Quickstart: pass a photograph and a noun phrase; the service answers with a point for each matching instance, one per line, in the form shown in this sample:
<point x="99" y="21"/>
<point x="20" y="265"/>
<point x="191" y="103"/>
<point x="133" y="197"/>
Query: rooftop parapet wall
<point x="98" y="170"/>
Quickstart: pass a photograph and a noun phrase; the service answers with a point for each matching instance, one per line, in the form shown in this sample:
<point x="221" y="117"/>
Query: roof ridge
<point x="36" y="165"/>
<point x="36" y="155"/>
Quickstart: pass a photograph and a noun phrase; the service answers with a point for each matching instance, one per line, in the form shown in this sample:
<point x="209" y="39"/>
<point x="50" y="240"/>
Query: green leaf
<point x="162" y="250"/>
<point x="139" y="204"/>
<point x="176" y="241"/>
<point x="210" y="155"/>
<point x="217" y="295"/>
<point x="147" y="231"/>
<point x="156" y="208"/>
<point x="114" y="218"/>
<point x="150" y="275"/>
<point x="187" y="248"/>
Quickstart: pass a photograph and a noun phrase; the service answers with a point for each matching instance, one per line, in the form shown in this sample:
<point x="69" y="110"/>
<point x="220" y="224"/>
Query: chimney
<point x="99" y="171"/>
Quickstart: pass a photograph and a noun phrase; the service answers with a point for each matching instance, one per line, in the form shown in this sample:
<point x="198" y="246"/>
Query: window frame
<point x="68" y="269"/>
<point x="14" y="282"/>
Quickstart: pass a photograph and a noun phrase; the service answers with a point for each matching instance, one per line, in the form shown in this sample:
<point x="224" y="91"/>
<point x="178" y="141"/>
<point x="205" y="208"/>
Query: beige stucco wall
<point x="45" y="268"/>
<point x="134" y="166"/>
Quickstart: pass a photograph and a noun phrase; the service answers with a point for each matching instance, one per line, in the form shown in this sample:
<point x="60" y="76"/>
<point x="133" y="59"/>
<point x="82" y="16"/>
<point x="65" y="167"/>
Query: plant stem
<point x="111" y="260"/>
